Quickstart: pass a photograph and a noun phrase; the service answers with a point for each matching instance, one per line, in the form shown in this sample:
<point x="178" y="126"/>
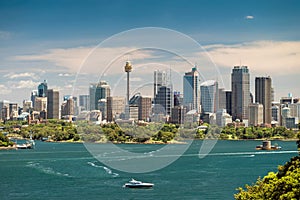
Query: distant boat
<point x="266" y="145"/>
<point x="138" y="184"/>
<point x="28" y="145"/>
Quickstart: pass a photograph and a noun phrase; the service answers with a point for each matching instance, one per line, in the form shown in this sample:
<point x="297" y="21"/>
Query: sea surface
<point x="69" y="171"/>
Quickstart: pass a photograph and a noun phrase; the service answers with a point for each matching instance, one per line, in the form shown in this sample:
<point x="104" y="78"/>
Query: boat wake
<point x="46" y="170"/>
<point x="107" y="170"/>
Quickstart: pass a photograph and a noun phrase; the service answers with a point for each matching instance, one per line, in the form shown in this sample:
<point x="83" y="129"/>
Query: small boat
<point x="138" y="184"/>
<point x="266" y="145"/>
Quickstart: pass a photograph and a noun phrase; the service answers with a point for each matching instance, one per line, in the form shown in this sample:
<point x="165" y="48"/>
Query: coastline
<point x="9" y="148"/>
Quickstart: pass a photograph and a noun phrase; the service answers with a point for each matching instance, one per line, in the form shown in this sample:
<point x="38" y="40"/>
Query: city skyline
<point x="49" y="40"/>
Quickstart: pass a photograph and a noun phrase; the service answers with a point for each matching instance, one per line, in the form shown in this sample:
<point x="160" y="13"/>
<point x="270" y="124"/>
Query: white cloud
<point x="264" y="57"/>
<point x="64" y="74"/>
<point x="20" y="75"/>
<point x="4" y="89"/>
<point x="29" y="84"/>
<point x="91" y="60"/>
<point x="249" y="17"/>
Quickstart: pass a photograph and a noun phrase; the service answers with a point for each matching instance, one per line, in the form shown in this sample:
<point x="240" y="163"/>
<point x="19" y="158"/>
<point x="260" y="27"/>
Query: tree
<point x="285" y="184"/>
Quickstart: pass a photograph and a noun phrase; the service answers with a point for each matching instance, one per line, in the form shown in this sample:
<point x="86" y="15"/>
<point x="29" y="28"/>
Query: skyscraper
<point x="160" y="79"/>
<point x="115" y="107"/>
<point x="42" y="89"/>
<point x="52" y="104"/>
<point x="98" y="91"/>
<point x="191" y="90"/>
<point x="255" y="114"/>
<point x="228" y="102"/>
<point x="163" y="101"/>
<point x="84" y="101"/>
<point x="240" y="87"/>
<point x="263" y="95"/>
<point x="209" y="96"/>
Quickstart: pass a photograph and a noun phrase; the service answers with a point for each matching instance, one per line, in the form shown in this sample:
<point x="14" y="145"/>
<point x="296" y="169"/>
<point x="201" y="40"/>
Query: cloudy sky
<point x="72" y="43"/>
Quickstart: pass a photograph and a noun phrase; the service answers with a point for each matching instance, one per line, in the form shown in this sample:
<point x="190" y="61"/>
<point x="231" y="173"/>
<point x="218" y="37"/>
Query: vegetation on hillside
<point x="4" y="141"/>
<point x="284" y="184"/>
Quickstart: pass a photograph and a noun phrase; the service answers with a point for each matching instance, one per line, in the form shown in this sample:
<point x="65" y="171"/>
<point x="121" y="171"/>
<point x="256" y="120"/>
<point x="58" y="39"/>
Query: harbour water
<point x="69" y="171"/>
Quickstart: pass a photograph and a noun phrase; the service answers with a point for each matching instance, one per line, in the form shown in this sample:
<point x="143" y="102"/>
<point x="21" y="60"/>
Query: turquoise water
<point x="68" y="171"/>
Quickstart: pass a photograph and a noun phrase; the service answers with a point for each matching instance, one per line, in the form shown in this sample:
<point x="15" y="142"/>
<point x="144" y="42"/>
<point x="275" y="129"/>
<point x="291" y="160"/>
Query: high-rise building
<point x="209" y="96"/>
<point x="255" y="114"/>
<point x="276" y="113"/>
<point x="40" y="104"/>
<point x="240" y="87"/>
<point x="191" y="97"/>
<point x="228" y="102"/>
<point x="27" y="106"/>
<point x="42" y="89"/>
<point x="4" y="106"/>
<point x="160" y="79"/>
<point x="13" y="111"/>
<point x="84" y="101"/>
<point x="52" y="104"/>
<point x="263" y="95"/>
<point x="115" y="107"/>
<point x="68" y="107"/>
<point x="222" y="99"/>
<point x="163" y="101"/>
<point x="145" y="108"/>
<point x="34" y="93"/>
<point x="178" y="113"/>
<point x="98" y="91"/>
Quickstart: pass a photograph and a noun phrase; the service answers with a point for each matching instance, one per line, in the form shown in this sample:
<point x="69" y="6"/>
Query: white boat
<point x="138" y="184"/>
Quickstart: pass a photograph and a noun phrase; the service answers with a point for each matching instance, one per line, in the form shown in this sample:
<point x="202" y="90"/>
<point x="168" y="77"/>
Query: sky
<point x="71" y="43"/>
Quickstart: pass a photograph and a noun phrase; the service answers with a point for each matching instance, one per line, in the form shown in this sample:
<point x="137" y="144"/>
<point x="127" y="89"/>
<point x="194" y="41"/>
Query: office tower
<point x="42" y="89"/>
<point x="222" y="99"/>
<point x="240" y="87"/>
<point x="98" y="91"/>
<point x="40" y="104"/>
<point x="145" y="108"/>
<point x="3" y="108"/>
<point x="84" y="102"/>
<point x="34" y="93"/>
<point x="115" y="107"/>
<point x="276" y="113"/>
<point x="13" y="111"/>
<point x="191" y="97"/>
<point x="68" y="106"/>
<point x="52" y="104"/>
<point x="177" y="99"/>
<point x="263" y="95"/>
<point x="222" y="118"/>
<point x="128" y="68"/>
<point x="209" y="96"/>
<point x="102" y="106"/>
<point x="27" y="106"/>
<point x="160" y="79"/>
<point x="228" y="102"/>
<point x="163" y="100"/>
<point x="178" y="113"/>
<point x="255" y="114"/>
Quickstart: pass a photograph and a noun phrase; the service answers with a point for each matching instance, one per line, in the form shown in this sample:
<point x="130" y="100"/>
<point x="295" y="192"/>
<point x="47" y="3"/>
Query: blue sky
<point x="35" y="34"/>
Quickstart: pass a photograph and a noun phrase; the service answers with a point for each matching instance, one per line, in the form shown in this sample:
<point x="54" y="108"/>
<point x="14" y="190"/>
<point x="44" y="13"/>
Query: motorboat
<point x="138" y="184"/>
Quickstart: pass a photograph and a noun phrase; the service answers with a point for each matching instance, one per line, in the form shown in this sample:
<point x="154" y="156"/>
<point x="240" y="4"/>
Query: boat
<point x="266" y="145"/>
<point x="138" y="184"/>
<point x="28" y="145"/>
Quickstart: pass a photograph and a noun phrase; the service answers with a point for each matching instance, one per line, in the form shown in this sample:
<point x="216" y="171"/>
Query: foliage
<point x="285" y="184"/>
<point x="4" y="141"/>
